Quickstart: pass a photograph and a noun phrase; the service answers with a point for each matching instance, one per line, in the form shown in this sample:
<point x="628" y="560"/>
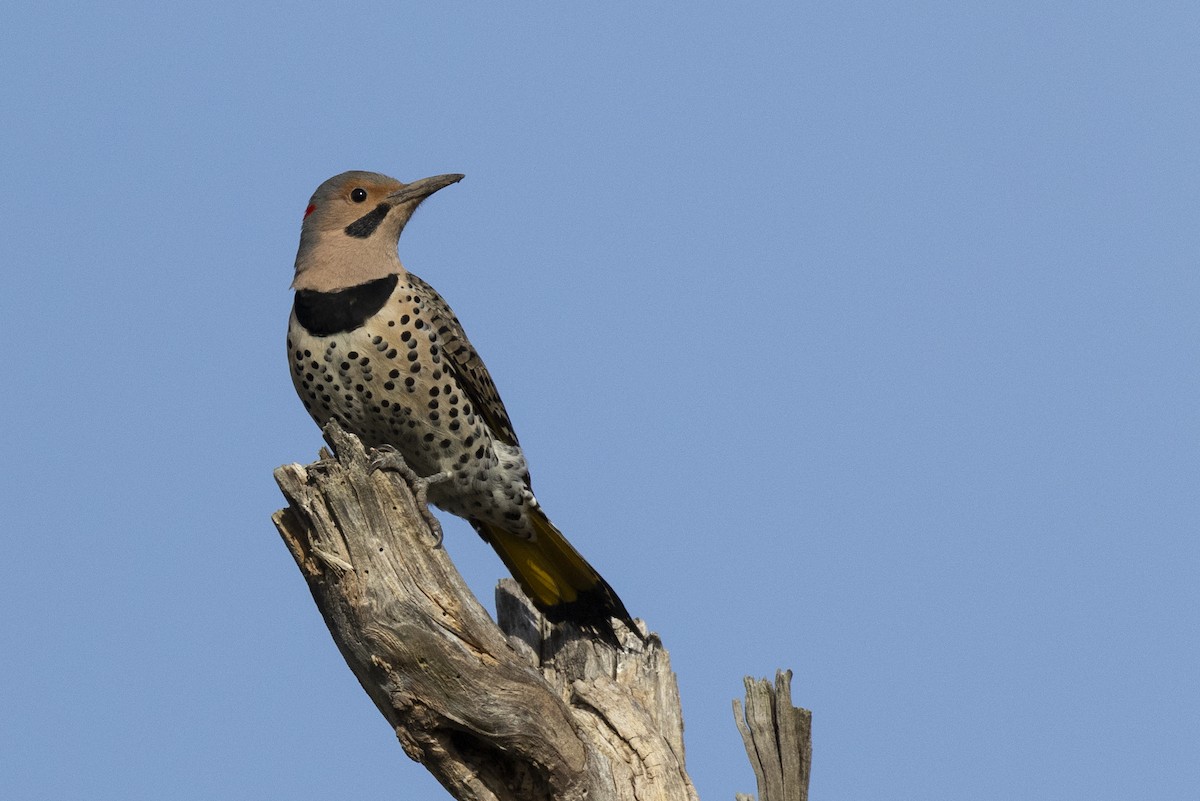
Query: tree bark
<point x="522" y="711"/>
<point x="778" y="739"/>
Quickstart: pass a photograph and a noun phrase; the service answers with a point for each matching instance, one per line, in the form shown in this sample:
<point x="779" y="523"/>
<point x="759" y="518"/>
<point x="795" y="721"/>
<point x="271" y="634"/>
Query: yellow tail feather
<point x="552" y="573"/>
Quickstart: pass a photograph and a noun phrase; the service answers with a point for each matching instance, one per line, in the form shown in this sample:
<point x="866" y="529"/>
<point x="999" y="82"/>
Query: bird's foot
<point x="385" y="457"/>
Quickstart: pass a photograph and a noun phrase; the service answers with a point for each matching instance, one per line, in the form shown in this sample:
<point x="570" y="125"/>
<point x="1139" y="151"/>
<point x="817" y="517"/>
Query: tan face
<point x="352" y="225"/>
<point x="344" y="199"/>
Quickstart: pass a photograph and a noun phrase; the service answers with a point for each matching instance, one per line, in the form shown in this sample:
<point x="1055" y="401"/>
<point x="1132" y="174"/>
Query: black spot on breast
<point x="326" y="313"/>
<point x="365" y="225"/>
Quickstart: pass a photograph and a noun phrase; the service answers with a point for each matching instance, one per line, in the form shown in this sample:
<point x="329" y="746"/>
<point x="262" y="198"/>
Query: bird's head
<point x="352" y="225"/>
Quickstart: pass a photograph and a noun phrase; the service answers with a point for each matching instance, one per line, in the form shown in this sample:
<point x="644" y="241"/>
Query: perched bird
<point x="375" y="348"/>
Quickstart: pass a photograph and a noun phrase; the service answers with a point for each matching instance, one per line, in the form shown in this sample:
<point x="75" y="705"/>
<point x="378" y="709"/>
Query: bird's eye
<point x="358" y="194"/>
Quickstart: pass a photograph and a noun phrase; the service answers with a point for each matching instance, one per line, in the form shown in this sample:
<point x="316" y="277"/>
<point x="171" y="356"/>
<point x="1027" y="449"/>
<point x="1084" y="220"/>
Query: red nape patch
<point x="311" y="208"/>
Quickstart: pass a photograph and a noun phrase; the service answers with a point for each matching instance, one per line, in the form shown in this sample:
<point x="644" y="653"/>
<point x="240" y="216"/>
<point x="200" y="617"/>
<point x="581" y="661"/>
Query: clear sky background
<point x="855" y="338"/>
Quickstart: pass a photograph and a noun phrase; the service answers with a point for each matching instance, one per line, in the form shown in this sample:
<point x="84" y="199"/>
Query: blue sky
<point x="854" y="338"/>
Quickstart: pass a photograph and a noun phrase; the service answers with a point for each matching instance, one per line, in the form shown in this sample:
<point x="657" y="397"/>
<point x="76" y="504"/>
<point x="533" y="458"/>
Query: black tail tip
<point x="593" y="611"/>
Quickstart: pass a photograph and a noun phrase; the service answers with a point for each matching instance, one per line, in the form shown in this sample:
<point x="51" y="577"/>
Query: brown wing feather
<point x="468" y="368"/>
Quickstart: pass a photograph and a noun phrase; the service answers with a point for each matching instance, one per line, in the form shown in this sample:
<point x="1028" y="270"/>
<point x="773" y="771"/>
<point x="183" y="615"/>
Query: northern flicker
<point x="376" y="348"/>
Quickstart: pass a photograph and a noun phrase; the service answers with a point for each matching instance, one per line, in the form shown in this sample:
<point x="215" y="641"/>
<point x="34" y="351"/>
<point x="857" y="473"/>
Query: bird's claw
<point x="386" y="457"/>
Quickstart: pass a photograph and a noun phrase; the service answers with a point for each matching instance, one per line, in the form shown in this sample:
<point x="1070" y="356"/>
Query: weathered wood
<point x="778" y="739"/>
<point x="534" y="712"/>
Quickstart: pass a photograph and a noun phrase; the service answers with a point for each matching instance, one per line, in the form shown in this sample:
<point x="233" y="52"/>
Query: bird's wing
<point x="468" y="368"/>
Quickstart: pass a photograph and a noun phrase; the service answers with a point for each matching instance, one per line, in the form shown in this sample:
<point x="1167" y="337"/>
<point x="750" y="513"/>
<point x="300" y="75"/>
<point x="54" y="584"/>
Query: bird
<point x="377" y="349"/>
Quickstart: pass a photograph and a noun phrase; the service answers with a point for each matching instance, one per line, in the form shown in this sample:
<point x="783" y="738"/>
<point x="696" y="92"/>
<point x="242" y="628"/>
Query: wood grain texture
<point x="524" y="710"/>
<point x="778" y="739"/>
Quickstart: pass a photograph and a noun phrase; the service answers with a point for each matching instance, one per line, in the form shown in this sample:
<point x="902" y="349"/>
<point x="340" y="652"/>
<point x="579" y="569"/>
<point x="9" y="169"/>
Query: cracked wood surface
<point x="524" y="710"/>
<point x="778" y="739"/>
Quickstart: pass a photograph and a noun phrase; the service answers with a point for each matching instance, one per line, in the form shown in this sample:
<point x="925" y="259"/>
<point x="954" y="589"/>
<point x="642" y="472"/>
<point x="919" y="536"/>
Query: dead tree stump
<point x="520" y="711"/>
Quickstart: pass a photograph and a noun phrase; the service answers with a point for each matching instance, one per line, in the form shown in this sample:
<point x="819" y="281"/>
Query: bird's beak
<point x="423" y="188"/>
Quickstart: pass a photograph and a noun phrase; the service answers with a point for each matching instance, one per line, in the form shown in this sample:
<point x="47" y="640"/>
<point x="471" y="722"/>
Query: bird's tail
<point x="556" y="578"/>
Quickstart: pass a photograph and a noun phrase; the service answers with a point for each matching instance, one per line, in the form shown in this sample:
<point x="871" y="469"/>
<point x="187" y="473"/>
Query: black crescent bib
<point x="326" y="313"/>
